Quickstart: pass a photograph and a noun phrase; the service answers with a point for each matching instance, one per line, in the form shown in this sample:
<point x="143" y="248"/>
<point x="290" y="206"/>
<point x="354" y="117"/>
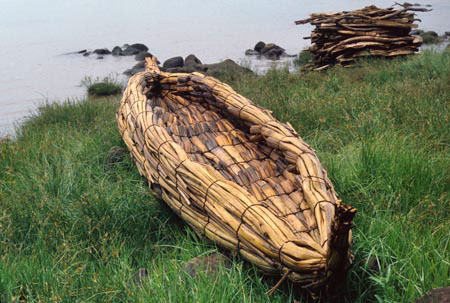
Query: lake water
<point x="35" y="37"/>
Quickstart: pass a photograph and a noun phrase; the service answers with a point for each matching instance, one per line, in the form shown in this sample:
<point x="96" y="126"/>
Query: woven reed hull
<point x="235" y="174"/>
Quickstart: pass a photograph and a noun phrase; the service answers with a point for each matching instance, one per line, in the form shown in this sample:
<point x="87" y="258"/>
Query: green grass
<point x="104" y="89"/>
<point x="108" y="86"/>
<point x="74" y="228"/>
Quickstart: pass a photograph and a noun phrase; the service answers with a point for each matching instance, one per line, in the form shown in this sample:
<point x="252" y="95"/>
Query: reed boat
<point x="236" y="175"/>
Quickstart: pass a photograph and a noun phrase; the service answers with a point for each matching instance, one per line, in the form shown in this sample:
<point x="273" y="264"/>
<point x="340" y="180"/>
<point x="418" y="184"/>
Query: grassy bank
<point x="74" y="226"/>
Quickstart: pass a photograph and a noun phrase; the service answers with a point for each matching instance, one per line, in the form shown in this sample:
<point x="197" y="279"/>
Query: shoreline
<point x="8" y="129"/>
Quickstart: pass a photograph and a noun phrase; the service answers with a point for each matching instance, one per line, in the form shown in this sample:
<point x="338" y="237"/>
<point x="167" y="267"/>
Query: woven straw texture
<point x="235" y="174"/>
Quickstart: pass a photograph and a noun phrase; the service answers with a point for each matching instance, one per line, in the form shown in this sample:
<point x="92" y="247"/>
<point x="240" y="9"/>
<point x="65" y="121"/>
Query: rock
<point x="102" y="51"/>
<point x="140" y="47"/>
<point x="202" y="68"/>
<point x="207" y="264"/>
<point x="430" y="38"/>
<point x="116" y="154"/>
<point x="227" y="66"/>
<point x="117" y="51"/>
<point x="182" y="69"/>
<point x="437" y="295"/>
<point x="251" y="52"/>
<point x="82" y="51"/>
<point x="142" y="55"/>
<point x="86" y="54"/>
<point x="137" y="70"/>
<point x="216" y="69"/>
<point x="271" y="46"/>
<point x="192" y="60"/>
<point x="267" y="48"/>
<point x="417" y="4"/>
<point x="274" y="53"/>
<point x="259" y="46"/>
<point x="431" y="33"/>
<point x="447" y="34"/>
<point x="428" y="5"/>
<point x="407" y="4"/>
<point x="130" y="51"/>
<point x="99" y="57"/>
<point x="139" y="65"/>
<point x="173" y="62"/>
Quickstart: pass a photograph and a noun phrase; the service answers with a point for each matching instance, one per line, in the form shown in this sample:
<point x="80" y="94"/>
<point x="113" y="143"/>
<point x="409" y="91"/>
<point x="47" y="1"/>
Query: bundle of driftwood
<point x="344" y="36"/>
<point x="236" y="175"/>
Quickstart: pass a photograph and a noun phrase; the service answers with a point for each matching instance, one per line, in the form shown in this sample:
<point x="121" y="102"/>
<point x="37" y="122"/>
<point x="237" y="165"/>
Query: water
<point x="35" y="37"/>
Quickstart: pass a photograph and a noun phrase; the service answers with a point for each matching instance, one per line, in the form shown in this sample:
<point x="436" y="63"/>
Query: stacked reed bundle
<point x="235" y="174"/>
<point x="344" y="36"/>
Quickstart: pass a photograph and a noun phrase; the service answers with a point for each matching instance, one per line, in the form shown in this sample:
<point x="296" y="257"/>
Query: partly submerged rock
<point x="251" y="52"/>
<point x="130" y="51"/>
<point x="192" y="60"/>
<point x="227" y="66"/>
<point x="139" y="46"/>
<point x="139" y="65"/>
<point x="117" y="51"/>
<point x="271" y="46"/>
<point x="259" y="46"/>
<point x="274" y="53"/>
<point x="142" y="55"/>
<point x="431" y="33"/>
<point x="102" y="51"/>
<point x="430" y="38"/>
<point x="182" y="69"/>
<point x="173" y="62"/>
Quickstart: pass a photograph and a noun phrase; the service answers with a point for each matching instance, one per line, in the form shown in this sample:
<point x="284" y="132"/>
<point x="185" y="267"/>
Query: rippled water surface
<point x="35" y="37"/>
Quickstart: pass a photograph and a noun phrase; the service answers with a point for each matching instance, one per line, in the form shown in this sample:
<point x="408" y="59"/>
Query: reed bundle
<point x="342" y="37"/>
<point x="235" y="174"/>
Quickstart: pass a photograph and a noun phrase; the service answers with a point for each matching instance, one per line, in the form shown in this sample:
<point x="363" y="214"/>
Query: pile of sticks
<point x="342" y="37"/>
<point x="236" y="175"/>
